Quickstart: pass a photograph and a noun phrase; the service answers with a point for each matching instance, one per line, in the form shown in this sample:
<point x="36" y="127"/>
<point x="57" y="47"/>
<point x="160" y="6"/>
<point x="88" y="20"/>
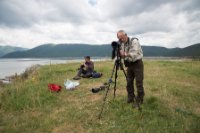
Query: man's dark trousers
<point x="86" y="74"/>
<point x="135" y="71"/>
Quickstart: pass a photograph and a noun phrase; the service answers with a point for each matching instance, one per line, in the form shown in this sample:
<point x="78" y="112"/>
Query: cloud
<point x="76" y="12"/>
<point x="92" y="2"/>
<point x="19" y="14"/>
<point x="14" y="13"/>
<point x="33" y="22"/>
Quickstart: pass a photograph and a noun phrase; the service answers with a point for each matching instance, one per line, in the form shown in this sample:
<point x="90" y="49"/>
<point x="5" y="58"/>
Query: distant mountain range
<point x="9" y="49"/>
<point x="190" y="51"/>
<point x="79" y="50"/>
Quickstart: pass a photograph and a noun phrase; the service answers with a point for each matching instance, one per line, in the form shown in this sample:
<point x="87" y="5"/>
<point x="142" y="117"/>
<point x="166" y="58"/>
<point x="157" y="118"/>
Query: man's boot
<point x="140" y="99"/>
<point x="130" y="98"/>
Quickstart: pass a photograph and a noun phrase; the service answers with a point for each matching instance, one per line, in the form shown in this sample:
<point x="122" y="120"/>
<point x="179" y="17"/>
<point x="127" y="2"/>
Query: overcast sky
<point x="168" y="23"/>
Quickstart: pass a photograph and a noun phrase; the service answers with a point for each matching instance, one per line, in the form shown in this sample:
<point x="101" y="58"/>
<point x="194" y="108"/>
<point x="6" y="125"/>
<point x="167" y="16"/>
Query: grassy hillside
<point x="172" y="101"/>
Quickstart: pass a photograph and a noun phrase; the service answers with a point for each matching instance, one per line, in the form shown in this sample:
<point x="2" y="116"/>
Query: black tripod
<point x="118" y="65"/>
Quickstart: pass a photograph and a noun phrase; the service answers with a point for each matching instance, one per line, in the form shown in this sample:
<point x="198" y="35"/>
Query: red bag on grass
<point x="54" y="87"/>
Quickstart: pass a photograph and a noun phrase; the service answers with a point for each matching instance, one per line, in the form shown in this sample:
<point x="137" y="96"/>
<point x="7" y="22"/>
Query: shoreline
<point x="24" y="75"/>
<point x="9" y="78"/>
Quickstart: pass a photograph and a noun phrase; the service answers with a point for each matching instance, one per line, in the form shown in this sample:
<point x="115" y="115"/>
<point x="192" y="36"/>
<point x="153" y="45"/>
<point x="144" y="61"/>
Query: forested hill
<point x="63" y="50"/>
<point x="79" y="50"/>
<point x="8" y="49"/>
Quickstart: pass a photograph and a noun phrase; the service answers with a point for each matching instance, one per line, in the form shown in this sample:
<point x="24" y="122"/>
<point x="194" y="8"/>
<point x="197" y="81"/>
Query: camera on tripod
<point x="116" y="46"/>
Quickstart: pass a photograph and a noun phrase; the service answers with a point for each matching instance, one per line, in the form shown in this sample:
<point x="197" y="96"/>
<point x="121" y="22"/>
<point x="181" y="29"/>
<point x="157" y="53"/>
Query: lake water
<point x="12" y="66"/>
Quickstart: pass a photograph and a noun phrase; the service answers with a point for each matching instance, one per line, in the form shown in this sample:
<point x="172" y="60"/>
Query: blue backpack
<point x="96" y="74"/>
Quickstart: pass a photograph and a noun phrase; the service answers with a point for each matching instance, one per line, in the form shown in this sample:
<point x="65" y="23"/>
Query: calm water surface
<point x="11" y="66"/>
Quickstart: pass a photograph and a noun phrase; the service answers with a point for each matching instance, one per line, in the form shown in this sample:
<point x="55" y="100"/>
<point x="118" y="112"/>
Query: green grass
<point x="171" y="104"/>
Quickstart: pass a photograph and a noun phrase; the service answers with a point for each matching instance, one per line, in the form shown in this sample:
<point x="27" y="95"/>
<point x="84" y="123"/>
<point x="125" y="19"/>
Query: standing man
<point x="132" y="54"/>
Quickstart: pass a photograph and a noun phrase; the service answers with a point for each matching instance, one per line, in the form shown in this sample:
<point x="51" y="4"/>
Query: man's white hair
<point x="122" y="31"/>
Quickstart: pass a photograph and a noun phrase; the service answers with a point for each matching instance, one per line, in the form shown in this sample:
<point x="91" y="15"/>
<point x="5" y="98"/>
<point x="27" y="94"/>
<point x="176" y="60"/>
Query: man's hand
<point x="86" y="66"/>
<point x="123" y="54"/>
<point x="82" y="65"/>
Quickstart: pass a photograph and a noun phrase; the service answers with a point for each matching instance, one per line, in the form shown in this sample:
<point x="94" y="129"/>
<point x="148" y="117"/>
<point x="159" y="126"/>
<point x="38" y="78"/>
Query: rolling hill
<point x="79" y="50"/>
<point x="62" y="50"/>
<point x="9" y="49"/>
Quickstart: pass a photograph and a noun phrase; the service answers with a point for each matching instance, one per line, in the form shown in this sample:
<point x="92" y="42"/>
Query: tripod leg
<point x="115" y="80"/>
<point x="115" y="66"/>
<point x="108" y="87"/>
<point x="104" y="101"/>
<point x="124" y="73"/>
